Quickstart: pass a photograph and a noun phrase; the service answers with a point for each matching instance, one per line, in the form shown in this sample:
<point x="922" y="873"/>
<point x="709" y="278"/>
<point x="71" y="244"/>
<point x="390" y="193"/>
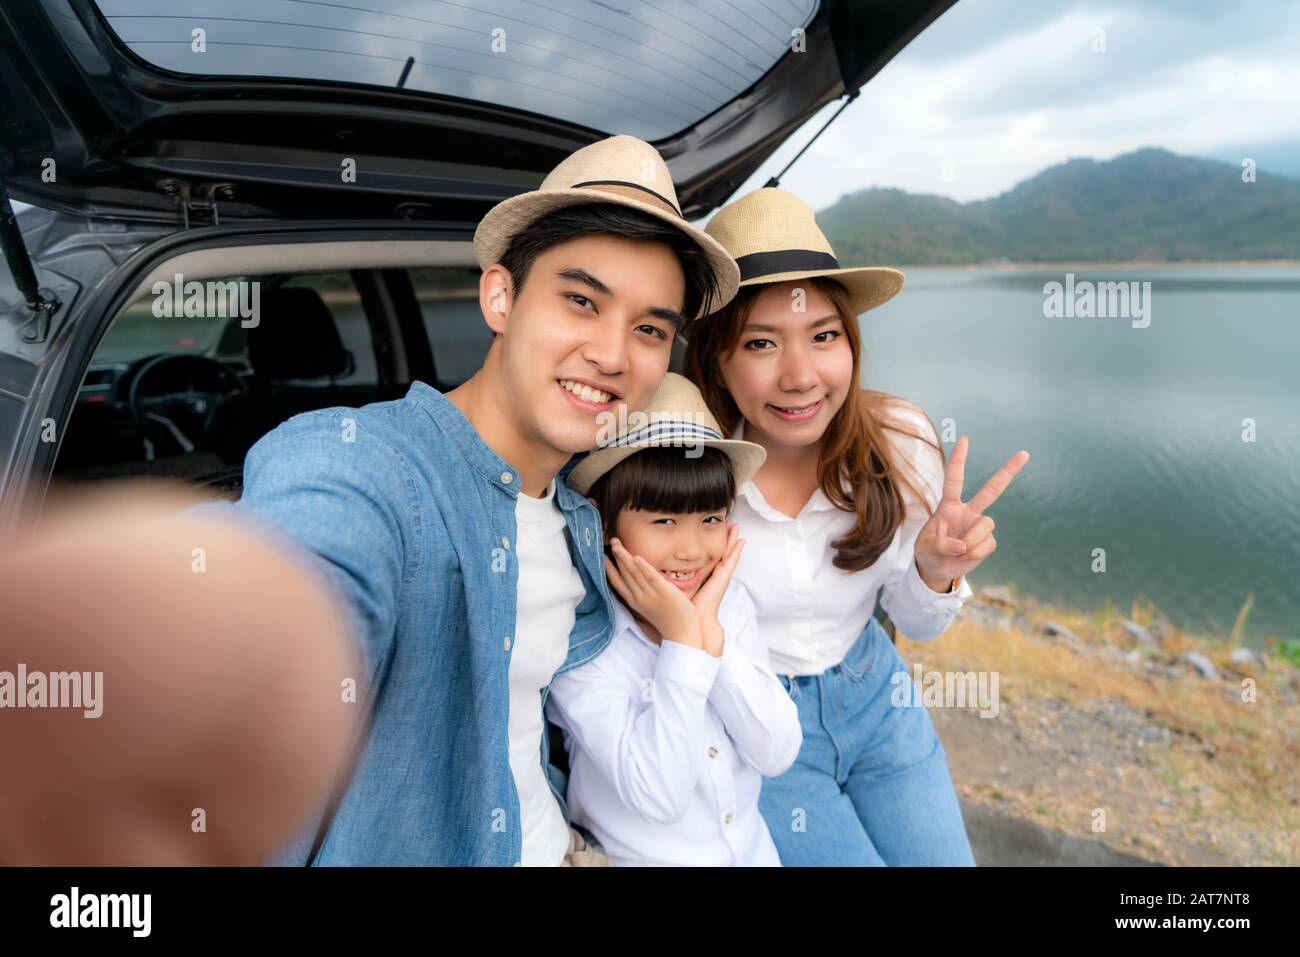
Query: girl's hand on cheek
<point x="653" y="597"/>
<point x="709" y="596"/>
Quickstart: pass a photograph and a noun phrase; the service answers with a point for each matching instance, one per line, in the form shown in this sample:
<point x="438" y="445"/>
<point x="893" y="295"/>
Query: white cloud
<point x="1022" y="101"/>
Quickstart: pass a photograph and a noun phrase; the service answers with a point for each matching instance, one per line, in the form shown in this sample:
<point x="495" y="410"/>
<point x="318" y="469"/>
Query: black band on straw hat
<point x="784" y="260"/>
<point x="631" y="190"/>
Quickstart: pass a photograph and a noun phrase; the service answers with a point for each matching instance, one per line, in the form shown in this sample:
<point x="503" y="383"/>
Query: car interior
<point x="186" y="397"/>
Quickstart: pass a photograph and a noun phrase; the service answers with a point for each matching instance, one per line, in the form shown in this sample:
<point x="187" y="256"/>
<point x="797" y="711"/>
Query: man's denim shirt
<point x="414" y="518"/>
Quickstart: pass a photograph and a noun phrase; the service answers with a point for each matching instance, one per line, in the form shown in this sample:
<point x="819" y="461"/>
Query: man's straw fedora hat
<point x="775" y="238"/>
<point x="622" y="170"/>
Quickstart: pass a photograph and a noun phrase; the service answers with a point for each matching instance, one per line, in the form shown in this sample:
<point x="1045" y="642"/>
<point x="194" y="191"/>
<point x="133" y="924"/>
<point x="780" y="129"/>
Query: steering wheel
<point x="178" y="420"/>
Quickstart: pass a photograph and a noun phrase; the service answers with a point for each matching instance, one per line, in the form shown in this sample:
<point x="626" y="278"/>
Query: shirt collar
<point x="478" y="453"/>
<point x="566" y="497"/>
<point x="727" y="617"/>
<point x="818" y="502"/>
<point x="623" y="621"/>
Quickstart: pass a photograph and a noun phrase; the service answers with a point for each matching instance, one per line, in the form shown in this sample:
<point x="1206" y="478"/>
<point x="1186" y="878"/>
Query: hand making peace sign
<point x="959" y="535"/>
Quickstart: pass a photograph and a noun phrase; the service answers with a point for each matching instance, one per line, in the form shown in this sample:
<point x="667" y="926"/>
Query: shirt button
<point x="507" y="477"/>
<point x="586" y="535"/>
<point x="713" y="752"/>
<point x="507" y="643"/>
<point x="505" y="542"/>
<point x="727" y="819"/>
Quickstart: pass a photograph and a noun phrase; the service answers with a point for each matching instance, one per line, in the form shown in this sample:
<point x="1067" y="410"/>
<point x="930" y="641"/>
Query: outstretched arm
<point x="220" y="725"/>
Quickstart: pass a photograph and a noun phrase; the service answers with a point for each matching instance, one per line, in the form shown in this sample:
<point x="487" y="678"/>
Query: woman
<point x="852" y="499"/>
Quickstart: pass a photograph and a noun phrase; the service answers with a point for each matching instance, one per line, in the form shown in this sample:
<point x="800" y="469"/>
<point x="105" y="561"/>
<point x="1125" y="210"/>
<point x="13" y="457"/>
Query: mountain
<point x="1147" y="205"/>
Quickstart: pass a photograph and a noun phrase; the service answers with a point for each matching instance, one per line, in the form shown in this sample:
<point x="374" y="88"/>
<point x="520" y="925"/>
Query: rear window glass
<point x="458" y="336"/>
<point x="143" y="330"/>
<point x="619" y="66"/>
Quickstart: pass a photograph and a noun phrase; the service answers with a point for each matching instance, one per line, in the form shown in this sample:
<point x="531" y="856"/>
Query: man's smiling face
<point x="591" y="330"/>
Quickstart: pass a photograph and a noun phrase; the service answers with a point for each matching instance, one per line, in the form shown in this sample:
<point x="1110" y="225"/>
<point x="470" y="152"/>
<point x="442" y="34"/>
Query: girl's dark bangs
<point x="677" y="479"/>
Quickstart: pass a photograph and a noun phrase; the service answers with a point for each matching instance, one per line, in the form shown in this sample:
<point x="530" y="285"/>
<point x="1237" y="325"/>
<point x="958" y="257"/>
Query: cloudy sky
<point x="994" y="91"/>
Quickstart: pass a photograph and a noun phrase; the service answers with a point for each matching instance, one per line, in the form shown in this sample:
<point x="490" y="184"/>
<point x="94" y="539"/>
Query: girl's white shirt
<point x="668" y="745"/>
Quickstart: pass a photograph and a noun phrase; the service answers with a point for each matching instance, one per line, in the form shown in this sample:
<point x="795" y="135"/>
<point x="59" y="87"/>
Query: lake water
<point x="1135" y="433"/>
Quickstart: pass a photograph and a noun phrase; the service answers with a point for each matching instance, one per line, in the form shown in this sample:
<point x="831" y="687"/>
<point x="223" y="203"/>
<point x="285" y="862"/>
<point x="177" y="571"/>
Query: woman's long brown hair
<point x="854" y="445"/>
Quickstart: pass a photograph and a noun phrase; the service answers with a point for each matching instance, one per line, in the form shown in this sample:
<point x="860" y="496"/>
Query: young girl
<point x="671" y="729"/>
<point x="852" y="500"/>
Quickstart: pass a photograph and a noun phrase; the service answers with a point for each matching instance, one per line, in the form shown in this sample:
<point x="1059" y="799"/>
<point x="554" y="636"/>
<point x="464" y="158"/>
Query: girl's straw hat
<point x="775" y="238"/>
<point x="622" y="170"/>
<point x="676" y="416"/>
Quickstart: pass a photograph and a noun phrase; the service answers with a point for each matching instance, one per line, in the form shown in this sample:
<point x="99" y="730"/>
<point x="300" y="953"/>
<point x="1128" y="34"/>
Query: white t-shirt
<point x="810" y="612"/>
<point x="550" y="589"/>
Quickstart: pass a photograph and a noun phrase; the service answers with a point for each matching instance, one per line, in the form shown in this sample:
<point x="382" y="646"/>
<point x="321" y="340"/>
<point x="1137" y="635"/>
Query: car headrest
<point x="296" y="337"/>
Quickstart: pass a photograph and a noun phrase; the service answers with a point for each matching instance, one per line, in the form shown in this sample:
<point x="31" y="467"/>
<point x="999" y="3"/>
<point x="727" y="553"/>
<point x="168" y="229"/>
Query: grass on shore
<point x="1233" y="761"/>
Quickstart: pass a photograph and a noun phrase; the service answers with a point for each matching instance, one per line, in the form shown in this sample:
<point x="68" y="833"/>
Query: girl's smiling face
<point x="793" y="366"/>
<point x="683" y="547"/>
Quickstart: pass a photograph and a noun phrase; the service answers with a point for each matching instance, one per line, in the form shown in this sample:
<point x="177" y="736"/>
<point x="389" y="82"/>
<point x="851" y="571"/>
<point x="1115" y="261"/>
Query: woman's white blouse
<point x="810" y="612"/>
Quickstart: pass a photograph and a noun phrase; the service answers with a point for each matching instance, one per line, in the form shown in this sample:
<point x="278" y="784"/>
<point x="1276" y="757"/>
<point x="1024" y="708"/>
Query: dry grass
<point x="1232" y="768"/>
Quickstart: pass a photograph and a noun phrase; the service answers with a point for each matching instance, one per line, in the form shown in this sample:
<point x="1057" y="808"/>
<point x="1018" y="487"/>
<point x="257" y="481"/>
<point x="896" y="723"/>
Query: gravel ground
<point x="1137" y="753"/>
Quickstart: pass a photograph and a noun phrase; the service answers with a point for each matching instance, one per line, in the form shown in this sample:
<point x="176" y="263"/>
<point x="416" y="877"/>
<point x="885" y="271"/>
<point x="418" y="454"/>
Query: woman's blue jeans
<point x="871" y="784"/>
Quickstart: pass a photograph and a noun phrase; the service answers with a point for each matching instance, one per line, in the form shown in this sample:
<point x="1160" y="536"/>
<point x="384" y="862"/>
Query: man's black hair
<point x="665" y="479"/>
<point x="573" y="222"/>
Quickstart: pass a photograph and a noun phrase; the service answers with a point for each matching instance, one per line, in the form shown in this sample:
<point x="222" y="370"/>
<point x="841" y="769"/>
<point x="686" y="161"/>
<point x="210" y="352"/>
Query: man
<point x="467" y="573"/>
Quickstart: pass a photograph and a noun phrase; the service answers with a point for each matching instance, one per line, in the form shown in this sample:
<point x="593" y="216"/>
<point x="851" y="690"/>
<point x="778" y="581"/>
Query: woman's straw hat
<point x="622" y="170"/>
<point x="676" y="416"/>
<point x="775" y="238"/>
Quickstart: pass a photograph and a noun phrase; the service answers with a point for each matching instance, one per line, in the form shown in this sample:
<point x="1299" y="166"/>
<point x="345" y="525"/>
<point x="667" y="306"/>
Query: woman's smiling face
<point x="793" y="366"/>
<point x="683" y="547"/>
